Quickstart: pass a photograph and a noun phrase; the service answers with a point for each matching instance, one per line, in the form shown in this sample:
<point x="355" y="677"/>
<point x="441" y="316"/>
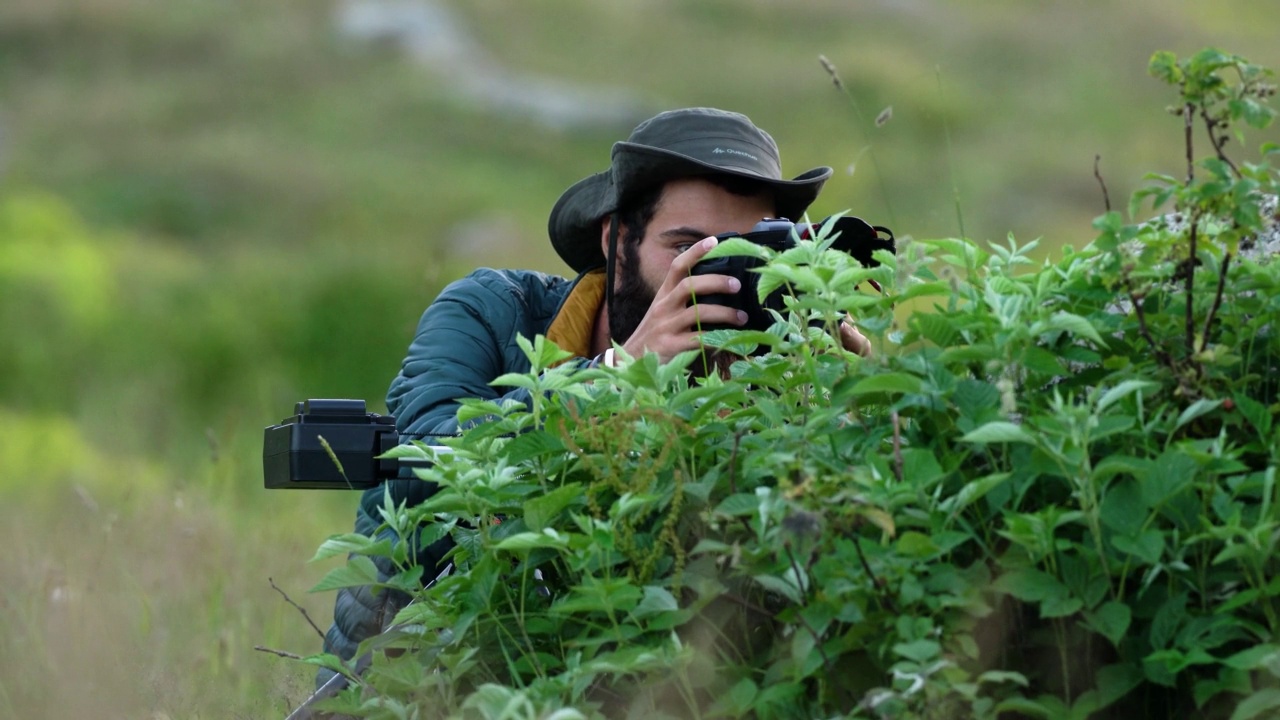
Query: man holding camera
<point x="633" y="233"/>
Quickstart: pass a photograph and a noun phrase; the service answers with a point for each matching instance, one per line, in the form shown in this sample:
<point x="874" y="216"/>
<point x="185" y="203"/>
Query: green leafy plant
<point x="1052" y="494"/>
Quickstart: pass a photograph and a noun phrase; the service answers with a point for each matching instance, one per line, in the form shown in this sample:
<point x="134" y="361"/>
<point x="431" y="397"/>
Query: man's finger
<point x="853" y="340"/>
<point x="684" y="262"/>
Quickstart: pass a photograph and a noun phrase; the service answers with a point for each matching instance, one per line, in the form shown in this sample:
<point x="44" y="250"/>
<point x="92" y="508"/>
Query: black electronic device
<point x="856" y="237"/>
<point x="294" y="453"/>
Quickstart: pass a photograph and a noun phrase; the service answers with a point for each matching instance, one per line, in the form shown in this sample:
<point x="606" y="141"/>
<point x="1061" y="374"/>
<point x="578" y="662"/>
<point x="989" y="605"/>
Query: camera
<point x="332" y="445"/>
<point x="856" y="237"/>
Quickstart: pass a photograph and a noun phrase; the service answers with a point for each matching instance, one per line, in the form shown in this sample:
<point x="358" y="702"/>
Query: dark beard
<point x="632" y="299"/>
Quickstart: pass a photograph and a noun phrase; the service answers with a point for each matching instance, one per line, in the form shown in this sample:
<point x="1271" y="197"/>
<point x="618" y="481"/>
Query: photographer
<point x="632" y="233"/>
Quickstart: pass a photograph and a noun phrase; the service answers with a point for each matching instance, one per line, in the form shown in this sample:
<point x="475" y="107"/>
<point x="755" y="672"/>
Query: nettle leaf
<point x="1148" y="546"/>
<point x="1263" y="701"/>
<point x="916" y="544"/>
<point x="1122" y="391"/>
<point x="353" y="543"/>
<point x="920" y="651"/>
<point x="973" y="398"/>
<point x="1068" y="322"/>
<point x="1260" y="656"/>
<point x="737" y="505"/>
<point x="656" y="600"/>
<point x="776" y="584"/>
<point x="526" y="541"/>
<point x="974" y="491"/>
<point x="1173" y="471"/>
<point x="997" y="432"/>
<point x="887" y="383"/>
<point x="1168" y="620"/>
<point x="1030" y="585"/>
<point x="1258" y="414"/>
<point x="540" y="510"/>
<point x="1055" y="607"/>
<point x="1122" y="507"/>
<point x="935" y="327"/>
<point x="535" y="443"/>
<point x="1196" y="409"/>
<point x="358" y="571"/>
<point x="738" y="246"/>
<point x="1110" y="621"/>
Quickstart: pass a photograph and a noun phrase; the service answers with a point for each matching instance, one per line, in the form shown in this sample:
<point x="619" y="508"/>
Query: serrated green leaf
<point x="920" y="651"/>
<point x="1111" y="621"/>
<point x="541" y="510"/>
<point x="1147" y="547"/>
<point x="1056" y="607"/>
<point x="1195" y="410"/>
<point x="886" y="383"/>
<point x="1255" y="705"/>
<point x="1030" y="585"/>
<point x="737" y="505"/>
<point x="916" y="544"/>
<point x="997" y="432"/>
<point x="359" y="571"/>
<point x="1067" y="322"/>
<point x="1255" y="657"/>
<point x="1122" y="391"/>
<point x="778" y="585"/>
<point x="352" y="543"/>
<point x="738" y="246"/>
<point x="974" y="491"/>
<point x="525" y="541"/>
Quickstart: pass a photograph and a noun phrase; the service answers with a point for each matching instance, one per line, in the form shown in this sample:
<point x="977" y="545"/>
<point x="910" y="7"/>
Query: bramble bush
<point x="1051" y="495"/>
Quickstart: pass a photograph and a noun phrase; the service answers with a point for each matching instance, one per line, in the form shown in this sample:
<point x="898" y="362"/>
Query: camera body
<point x="294" y="453"/>
<point x="856" y="237"/>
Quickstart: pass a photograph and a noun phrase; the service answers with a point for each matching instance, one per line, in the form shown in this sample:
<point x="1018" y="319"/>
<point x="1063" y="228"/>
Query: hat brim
<point x="574" y="225"/>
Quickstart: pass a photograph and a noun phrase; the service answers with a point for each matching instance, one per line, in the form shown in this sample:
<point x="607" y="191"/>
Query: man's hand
<point x="670" y="327"/>
<point x="853" y="340"/>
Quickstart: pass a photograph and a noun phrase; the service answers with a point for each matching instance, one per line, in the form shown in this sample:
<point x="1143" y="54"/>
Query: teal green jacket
<point x="466" y="338"/>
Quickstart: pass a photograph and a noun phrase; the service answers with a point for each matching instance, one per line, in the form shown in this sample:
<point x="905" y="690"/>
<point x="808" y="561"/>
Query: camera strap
<point x="610" y="261"/>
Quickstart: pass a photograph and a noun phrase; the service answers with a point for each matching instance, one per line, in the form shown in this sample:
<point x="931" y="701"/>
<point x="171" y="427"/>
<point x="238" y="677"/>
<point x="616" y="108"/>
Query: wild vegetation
<point x="211" y="209"/>
<point x="1052" y="495"/>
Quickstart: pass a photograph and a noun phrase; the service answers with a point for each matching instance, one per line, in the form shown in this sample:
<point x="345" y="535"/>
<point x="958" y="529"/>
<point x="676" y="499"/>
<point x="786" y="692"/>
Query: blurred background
<point x="213" y="208"/>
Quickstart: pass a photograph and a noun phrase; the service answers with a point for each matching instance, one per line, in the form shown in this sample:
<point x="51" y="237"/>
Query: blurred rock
<point x="430" y="34"/>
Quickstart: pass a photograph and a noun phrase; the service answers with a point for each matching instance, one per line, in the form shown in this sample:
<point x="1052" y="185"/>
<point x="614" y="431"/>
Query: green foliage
<point x="1053" y="495"/>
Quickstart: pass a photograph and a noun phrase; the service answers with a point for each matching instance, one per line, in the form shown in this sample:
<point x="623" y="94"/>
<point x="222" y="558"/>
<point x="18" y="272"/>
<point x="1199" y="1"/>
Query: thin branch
<point x="1211" y="127"/>
<point x="1106" y="197"/>
<point x="299" y="607"/>
<point x="1188" y="118"/>
<point x="278" y="653"/>
<point x="1191" y="283"/>
<point x="1217" y="301"/>
<point x="1160" y="354"/>
<point x="897" y="445"/>
<point x="733" y="463"/>
<point x="795" y="568"/>
<point x="881" y="596"/>
<point x="747" y="604"/>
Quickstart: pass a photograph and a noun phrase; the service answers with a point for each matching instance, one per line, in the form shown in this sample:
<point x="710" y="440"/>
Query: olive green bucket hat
<point x="674" y="144"/>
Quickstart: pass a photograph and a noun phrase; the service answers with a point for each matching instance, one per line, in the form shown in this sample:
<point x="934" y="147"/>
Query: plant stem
<point x="1106" y="198"/>
<point x="1217" y="300"/>
<point x="1188" y="118"/>
<point x="1190" y="283"/>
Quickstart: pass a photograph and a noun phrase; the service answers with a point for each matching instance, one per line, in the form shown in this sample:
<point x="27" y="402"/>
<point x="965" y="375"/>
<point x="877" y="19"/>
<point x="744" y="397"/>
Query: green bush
<point x="1053" y="494"/>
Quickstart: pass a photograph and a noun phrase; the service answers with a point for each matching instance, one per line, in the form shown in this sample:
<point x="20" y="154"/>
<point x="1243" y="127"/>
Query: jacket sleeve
<point x="465" y="339"/>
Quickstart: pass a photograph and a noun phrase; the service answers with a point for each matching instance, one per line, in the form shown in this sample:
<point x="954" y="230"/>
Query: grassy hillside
<point x="211" y="209"/>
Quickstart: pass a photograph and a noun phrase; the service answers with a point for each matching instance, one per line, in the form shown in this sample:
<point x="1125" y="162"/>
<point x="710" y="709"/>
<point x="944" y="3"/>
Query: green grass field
<point x="209" y="210"/>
